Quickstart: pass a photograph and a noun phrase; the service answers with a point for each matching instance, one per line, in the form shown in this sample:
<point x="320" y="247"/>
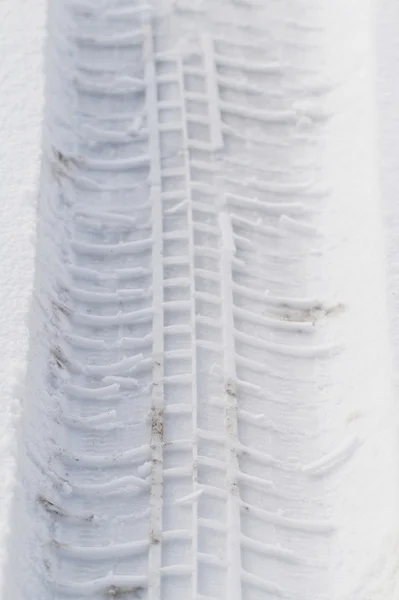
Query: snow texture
<point x="209" y="408"/>
<point x="21" y="69"/>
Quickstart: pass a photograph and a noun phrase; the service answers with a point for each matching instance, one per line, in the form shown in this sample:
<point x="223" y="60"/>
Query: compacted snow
<point x="208" y="411"/>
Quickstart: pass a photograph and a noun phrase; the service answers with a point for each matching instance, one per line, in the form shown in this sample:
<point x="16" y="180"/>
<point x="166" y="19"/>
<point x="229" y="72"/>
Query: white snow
<point x="363" y="495"/>
<point x="21" y="81"/>
<point x="211" y="402"/>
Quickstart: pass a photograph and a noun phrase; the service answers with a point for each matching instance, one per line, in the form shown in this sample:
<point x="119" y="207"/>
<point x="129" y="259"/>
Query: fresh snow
<point x="208" y="409"/>
<point x="21" y="80"/>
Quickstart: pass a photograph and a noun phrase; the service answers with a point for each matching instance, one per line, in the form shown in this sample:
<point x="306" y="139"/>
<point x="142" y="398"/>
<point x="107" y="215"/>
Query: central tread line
<point x="233" y="578"/>
<point x="157" y="408"/>
<point x="193" y="337"/>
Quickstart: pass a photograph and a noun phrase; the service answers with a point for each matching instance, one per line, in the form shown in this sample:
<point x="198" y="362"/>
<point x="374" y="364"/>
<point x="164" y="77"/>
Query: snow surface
<point x="210" y="406"/>
<point x="21" y="80"/>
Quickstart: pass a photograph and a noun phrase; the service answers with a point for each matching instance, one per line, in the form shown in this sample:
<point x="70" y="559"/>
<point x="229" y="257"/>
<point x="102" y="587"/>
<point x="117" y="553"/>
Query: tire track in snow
<point x="175" y="372"/>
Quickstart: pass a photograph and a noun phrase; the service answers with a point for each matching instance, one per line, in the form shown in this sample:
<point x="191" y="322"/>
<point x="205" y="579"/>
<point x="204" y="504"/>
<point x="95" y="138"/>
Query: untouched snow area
<point x="21" y="98"/>
<point x="209" y="407"/>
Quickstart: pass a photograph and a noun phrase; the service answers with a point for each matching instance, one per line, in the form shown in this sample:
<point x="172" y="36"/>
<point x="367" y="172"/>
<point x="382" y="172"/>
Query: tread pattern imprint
<point x="170" y="407"/>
